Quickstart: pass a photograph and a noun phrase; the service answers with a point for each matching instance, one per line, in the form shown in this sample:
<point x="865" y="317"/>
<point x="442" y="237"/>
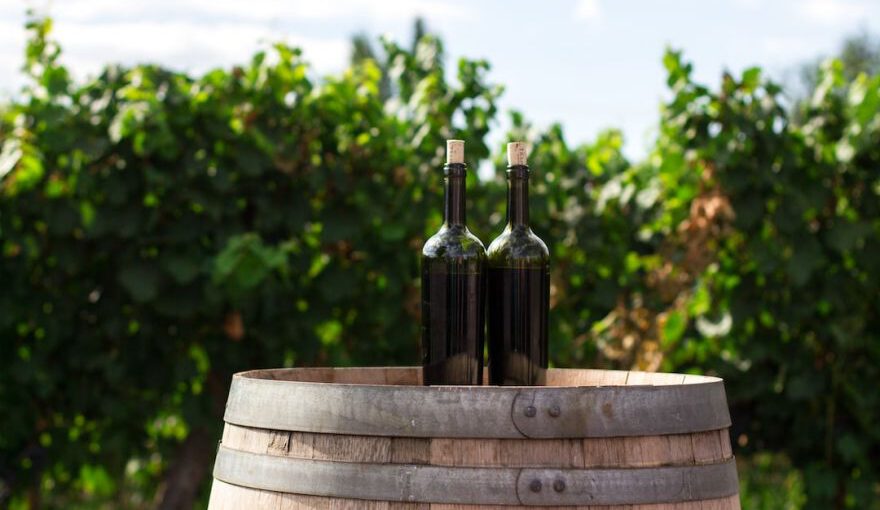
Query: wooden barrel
<point x="374" y="438"/>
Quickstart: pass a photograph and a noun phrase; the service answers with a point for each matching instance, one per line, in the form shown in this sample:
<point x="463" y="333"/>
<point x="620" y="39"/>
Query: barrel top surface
<point x="391" y="402"/>
<point x="411" y="376"/>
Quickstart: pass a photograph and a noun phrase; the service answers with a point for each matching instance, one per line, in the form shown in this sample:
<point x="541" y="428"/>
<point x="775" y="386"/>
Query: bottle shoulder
<point x="454" y="242"/>
<point x="517" y="246"/>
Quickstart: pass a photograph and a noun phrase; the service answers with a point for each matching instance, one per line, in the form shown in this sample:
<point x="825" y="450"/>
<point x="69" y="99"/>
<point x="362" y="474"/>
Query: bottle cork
<point x="517" y="153"/>
<point x="454" y="151"/>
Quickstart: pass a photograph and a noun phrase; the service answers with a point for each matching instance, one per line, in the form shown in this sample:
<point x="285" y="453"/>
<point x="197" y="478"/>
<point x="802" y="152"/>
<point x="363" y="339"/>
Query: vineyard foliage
<point x="161" y="231"/>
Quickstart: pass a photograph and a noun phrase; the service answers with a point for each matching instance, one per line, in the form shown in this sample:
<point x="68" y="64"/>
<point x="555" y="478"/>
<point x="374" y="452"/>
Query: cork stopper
<point x="517" y="153"/>
<point x="454" y="151"/>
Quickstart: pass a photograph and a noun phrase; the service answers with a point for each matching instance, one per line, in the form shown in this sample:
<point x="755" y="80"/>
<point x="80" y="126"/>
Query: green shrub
<point x="794" y="271"/>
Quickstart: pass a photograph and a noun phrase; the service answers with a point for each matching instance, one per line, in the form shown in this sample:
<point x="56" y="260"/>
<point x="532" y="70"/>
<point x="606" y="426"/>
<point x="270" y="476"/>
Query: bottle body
<point x="453" y="272"/>
<point x="518" y="295"/>
<point x="453" y="310"/>
<point x="518" y="325"/>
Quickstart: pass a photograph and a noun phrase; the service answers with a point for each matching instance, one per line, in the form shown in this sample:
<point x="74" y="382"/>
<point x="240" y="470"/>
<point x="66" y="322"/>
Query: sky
<point x="588" y="64"/>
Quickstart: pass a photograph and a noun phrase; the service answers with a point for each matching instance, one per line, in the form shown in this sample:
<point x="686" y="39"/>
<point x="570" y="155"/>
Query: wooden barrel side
<point x="702" y="448"/>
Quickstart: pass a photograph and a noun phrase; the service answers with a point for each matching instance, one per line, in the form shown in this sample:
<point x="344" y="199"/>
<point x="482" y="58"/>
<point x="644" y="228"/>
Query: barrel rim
<point x="662" y="377"/>
<point x="476" y="412"/>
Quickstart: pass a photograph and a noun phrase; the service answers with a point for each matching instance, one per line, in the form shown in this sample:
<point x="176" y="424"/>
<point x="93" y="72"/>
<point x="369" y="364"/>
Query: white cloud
<point x="94" y="33"/>
<point x="198" y="34"/>
<point x="186" y="45"/>
<point x="834" y="12"/>
<point x="258" y="10"/>
<point x="589" y="10"/>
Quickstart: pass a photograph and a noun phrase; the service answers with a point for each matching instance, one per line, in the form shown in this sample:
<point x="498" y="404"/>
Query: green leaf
<point x="807" y="257"/>
<point x="245" y="263"/>
<point x="339" y="226"/>
<point x="845" y="235"/>
<point x="329" y="332"/>
<point x="751" y="78"/>
<point x="392" y="232"/>
<point x="127" y="121"/>
<point x="183" y="268"/>
<point x="141" y="280"/>
<point x="804" y="386"/>
<point x="673" y="328"/>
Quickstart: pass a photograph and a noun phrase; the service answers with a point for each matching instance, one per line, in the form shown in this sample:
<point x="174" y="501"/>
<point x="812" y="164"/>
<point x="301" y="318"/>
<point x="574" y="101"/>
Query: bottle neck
<point x="518" y="196"/>
<point x="454" y="210"/>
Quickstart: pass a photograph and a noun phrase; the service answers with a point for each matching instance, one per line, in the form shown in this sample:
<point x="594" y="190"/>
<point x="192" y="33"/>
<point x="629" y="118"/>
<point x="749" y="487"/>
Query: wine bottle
<point x="453" y="288"/>
<point x="519" y="288"/>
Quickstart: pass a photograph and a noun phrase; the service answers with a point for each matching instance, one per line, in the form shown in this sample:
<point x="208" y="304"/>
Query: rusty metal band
<point x="478" y="412"/>
<point x="486" y="486"/>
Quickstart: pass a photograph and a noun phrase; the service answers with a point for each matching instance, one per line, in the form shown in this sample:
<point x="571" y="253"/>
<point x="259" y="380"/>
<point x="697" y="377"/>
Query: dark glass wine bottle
<point x="453" y="288"/>
<point x="519" y="288"/>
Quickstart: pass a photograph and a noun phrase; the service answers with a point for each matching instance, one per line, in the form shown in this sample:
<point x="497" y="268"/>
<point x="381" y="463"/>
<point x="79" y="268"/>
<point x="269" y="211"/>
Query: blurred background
<point x="189" y="189"/>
